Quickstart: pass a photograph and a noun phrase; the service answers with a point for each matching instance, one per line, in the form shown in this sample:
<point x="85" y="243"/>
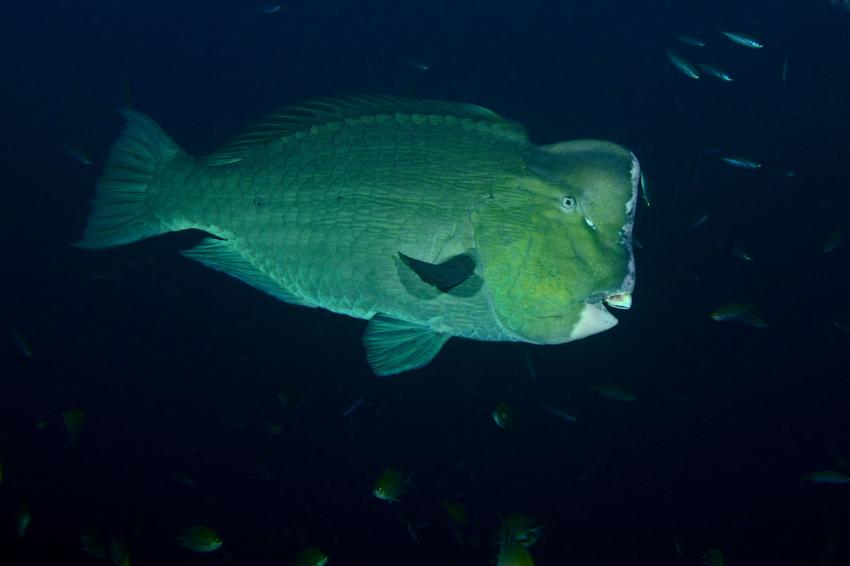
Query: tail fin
<point x="121" y="213"/>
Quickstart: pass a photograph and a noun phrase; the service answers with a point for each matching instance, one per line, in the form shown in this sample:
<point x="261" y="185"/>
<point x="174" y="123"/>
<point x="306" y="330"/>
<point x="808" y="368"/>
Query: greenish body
<point x="310" y="557"/>
<point x="391" y="485"/>
<point x="319" y="204"/>
<point x="513" y="554"/>
<point x="503" y="416"/>
<point x="200" y="539"/>
<point x="520" y="529"/>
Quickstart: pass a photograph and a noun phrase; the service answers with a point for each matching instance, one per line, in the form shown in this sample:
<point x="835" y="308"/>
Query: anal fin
<point x="394" y="346"/>
<point x="222" y="256"/>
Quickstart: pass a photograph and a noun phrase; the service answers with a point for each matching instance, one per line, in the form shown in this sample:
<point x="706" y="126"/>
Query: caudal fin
<point x="120" y="210"/>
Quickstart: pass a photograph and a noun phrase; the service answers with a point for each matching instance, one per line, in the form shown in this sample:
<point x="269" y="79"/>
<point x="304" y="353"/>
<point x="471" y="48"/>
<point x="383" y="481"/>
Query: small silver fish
<point x="24" y="519"/>
<point x="752" y="318"/>
<point x="20" y="341"/>
<point x="418" y="65"/>
<point x="827" y="476"/>
<point x="741" y="162"/>
<point x="841" y="325"/>
<point x="561" y="414"/>
<point x="644" y="190"/>
<point x="743" y="39"/>
<point x="691" y="40"/>
<point x="715" y="72"/>
<point x="785" y="69"/>
<point x="842" y="5"/>
<point x="529" y="364"/>
<point x="833" y="240"/>
<point x="737" y="251"/>
<point x="616" y="393"/>
<point x="683" y="65"/>
<point x="77" y="154"/>
<point x="353" y="406"/>
<point x="699" y="221"/>
<point x="270" y="7"/>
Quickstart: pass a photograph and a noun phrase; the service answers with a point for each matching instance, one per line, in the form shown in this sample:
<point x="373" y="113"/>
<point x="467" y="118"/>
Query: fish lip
<point x="621" y="300"/>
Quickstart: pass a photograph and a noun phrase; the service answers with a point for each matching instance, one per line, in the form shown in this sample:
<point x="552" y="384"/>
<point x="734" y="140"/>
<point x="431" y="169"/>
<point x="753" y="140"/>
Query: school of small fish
<point x="518" y="533"/>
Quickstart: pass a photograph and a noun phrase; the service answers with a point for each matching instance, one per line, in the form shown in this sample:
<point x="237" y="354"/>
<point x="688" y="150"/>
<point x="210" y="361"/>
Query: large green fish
<point x="430" y="219"/>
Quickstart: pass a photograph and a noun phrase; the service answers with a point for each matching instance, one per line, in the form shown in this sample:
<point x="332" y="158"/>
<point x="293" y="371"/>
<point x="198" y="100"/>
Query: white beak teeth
<point x="619" y="301"/>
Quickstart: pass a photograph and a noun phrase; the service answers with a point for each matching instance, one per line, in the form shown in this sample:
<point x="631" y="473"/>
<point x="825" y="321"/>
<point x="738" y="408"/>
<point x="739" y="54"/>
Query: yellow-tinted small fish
<point x="503" y="415"/>
<point x="290" y="397"/>
<point x="740" y="312"/>
<point x="75" y="421"/>
<point x="310" y="557"/>
<point x="200" y="539"/>
<point x="273" y="428"/>
<point x="119" y="551"/>
<point x="513" y="554"/>
<point x="731" y="311"/>
<point x="91" y="543"/>
<point x="391" y="485"/>
<point x="713" y="557"/>
<point x="616" y="393"/>
<point x="520" y="529"/>
<point x="24" y="519"/>
<point x="827" y="476"/>
<point x="457" y="511"/>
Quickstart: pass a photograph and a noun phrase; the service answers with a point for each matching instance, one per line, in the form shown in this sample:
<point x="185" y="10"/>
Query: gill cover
<point x="556" y="241"/>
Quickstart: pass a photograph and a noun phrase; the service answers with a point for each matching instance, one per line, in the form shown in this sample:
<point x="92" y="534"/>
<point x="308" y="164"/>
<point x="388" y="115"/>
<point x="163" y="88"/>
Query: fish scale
<point x="315" y="204"/>
<point x="322" y="251"/>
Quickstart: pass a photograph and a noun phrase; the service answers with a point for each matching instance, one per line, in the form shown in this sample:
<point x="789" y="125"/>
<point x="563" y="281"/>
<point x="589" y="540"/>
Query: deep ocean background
<point x="178" y="367"/>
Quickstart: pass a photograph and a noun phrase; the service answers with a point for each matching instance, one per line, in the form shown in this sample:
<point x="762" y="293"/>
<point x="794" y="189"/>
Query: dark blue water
<point x="178" y="368"/>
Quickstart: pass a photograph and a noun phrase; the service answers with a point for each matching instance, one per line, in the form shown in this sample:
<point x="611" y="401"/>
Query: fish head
<point x="555" y="242"/>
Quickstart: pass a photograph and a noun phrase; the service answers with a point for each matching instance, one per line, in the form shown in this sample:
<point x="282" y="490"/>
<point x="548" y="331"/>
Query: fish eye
<point x="568" y="203"/>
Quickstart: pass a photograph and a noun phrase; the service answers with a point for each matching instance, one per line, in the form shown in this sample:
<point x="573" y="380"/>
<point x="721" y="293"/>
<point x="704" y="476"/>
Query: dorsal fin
<point x="320" y="111"/>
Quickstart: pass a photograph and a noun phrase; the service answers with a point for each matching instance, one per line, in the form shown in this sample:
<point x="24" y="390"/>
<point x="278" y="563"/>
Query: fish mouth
<point x="622" y="301"/>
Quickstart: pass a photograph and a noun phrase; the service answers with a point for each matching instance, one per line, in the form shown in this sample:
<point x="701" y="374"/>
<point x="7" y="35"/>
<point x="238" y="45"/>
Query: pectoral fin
<point x="444" y="276"/>
<point x="394" y="346"/>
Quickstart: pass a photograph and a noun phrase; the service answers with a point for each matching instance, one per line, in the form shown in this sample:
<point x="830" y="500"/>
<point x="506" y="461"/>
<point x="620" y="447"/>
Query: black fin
<point x="444" y="276"/>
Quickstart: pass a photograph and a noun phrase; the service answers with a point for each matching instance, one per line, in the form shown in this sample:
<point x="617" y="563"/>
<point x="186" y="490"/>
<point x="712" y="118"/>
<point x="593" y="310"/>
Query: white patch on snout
<point x="593" y="320"/>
